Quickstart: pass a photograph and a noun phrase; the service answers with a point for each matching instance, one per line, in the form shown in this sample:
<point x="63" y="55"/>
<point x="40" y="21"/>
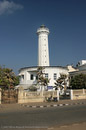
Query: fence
<point x="78" y="94"/>
<point x="26" y="97"/>
<point x="65" y="95"/>
<point x="9" y="96"/>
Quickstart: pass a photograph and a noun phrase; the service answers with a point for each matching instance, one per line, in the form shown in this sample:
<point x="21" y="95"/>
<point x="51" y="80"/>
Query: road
<point x="42" y="117"/>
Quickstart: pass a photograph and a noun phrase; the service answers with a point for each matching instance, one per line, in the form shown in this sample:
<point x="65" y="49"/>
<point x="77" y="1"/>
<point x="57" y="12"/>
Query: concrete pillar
<point x="20" y="94"/>
<point x="42" y="90"/>
<point x="0" y="95"/>
<point x="83" y="91"/>
<point x="71" y="94"/>
<point x="58" y="95"/>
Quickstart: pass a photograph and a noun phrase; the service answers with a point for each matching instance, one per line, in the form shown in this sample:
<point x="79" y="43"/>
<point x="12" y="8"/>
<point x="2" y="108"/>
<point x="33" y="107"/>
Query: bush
<point x="33" y="88"/>
<point x="78" y="81"/>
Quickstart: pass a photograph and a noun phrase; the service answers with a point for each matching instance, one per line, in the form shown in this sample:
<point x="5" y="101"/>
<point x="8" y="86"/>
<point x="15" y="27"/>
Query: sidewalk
<point x="54" y="104"/>
<point x="21" y="107"/>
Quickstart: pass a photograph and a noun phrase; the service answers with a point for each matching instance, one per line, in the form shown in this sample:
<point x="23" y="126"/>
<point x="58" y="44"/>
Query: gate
<point x="9" y="96"/>
<point x="65" y="95"/>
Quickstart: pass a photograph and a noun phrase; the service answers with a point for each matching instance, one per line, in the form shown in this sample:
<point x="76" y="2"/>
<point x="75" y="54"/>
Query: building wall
<point x="83" y="67"/>
<point x="26" y="81"/>
<point x="51" y="72"/>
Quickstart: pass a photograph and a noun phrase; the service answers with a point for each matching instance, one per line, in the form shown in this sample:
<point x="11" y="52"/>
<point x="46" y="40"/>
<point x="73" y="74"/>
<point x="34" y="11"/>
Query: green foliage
<point x="78" y="81"/>
<point x="7" y="78"/>
<point x="41" y="79"/>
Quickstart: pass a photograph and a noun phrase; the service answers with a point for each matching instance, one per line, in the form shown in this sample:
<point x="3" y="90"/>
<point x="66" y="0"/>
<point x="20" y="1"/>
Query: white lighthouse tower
<point x="28" y="75"/>
<point x="43" y="51"/>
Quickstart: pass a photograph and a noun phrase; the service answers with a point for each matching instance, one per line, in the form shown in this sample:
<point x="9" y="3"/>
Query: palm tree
<point x="42" y="81"/>
<point x="61" y="82"/>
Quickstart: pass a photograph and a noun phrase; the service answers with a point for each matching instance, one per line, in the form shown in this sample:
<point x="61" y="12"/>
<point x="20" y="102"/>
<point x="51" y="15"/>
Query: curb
<point x="53" y="105"/>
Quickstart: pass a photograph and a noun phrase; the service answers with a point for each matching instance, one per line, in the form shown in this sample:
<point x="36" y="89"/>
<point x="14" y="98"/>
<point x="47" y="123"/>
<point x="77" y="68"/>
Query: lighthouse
<point x="43" y="50"/>
<point x="28" y="75"/>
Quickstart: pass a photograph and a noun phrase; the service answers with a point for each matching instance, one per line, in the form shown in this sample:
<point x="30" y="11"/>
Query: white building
<point x="80" y="69"/>
<point x="28" y="75"/>
<point x="81" y="63"/>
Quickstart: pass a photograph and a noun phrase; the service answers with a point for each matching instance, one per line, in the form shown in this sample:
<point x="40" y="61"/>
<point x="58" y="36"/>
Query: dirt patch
<point x="76" y="126"/>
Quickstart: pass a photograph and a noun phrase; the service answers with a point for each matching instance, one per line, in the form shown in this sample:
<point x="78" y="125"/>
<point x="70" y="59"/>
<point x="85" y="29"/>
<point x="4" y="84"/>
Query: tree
<point x="41" y="79"/>
<point x="61" y="82"/>
<point x="7" y="78"/>
<point x="78" y="81"/>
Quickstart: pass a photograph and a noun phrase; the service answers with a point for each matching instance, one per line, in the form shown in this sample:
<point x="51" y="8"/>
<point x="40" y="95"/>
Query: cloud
<point x="8" y="7"/>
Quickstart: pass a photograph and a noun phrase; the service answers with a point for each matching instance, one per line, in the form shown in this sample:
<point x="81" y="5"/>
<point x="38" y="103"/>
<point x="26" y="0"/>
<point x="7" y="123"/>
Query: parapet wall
<point x="79" y="94"/>
<point x="26" y="97"/>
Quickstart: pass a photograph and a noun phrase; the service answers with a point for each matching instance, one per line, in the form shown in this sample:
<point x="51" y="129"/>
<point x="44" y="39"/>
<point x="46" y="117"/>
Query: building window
<point x="46" y="75"/>
<point x="22" y="77"/>
<point x="31" y="77"/>
<point x="36" y="77"/>
<point x="55" y="76"/>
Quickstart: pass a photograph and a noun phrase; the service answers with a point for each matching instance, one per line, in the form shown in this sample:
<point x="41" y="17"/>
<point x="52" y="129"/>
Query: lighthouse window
<point x="31" y="77"/>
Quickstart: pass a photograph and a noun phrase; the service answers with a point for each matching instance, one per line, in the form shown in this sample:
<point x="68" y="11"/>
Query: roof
<point x="78" y="72"/>
<point x="42" y="26"/>
<point x="43" y="66"/>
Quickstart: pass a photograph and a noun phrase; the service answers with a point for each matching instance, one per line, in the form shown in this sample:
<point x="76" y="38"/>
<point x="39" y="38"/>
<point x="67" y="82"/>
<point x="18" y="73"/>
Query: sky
<point x="19" y="21"/>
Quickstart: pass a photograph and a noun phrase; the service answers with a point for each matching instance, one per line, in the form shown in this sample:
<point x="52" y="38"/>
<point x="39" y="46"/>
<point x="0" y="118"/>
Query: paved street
<point x="17" y="116"/>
